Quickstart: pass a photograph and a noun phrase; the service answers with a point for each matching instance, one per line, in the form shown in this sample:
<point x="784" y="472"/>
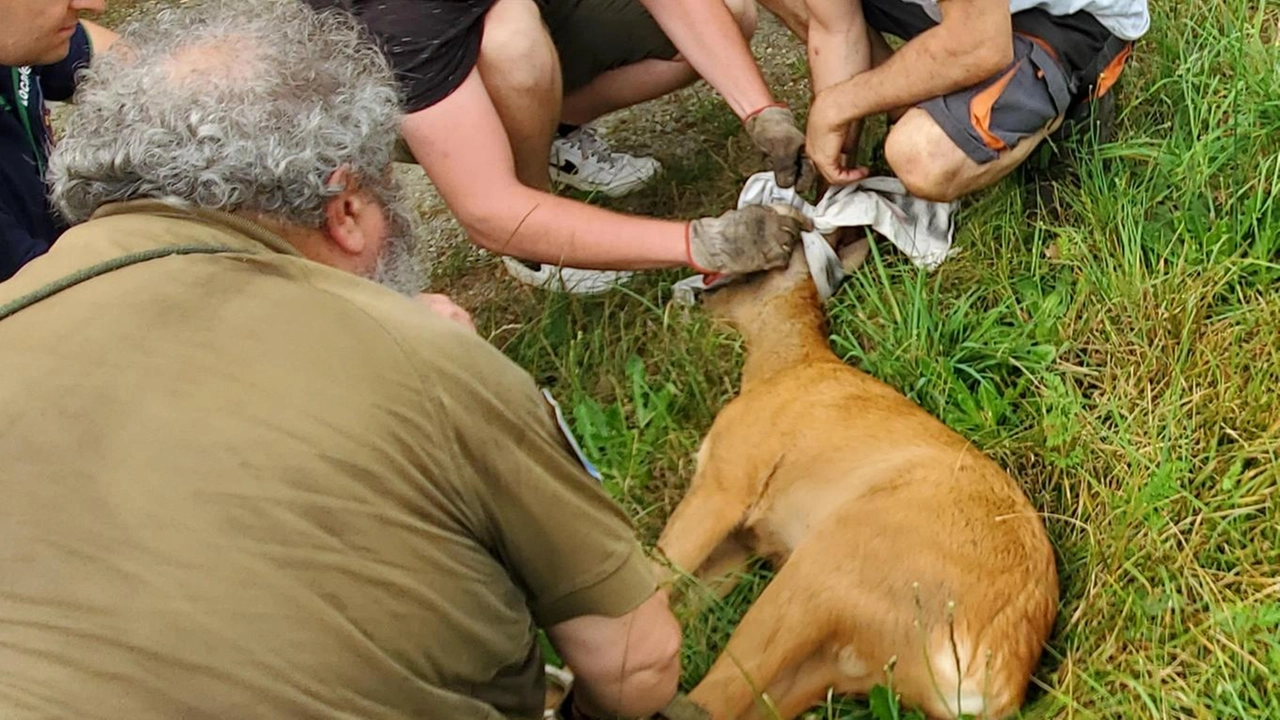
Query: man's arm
<point x="838" y="49"/>
<point x="461" y="144"/>
<point x="709" y="39"/>
<point x="973" y="42"/>
<point x="476" y="176"/>
<point x="564" y="542"/>
<point x="627" y="666"/>
<point x="838" y="44"/>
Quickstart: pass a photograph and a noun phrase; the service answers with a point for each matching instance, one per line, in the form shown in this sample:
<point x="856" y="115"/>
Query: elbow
<point x="976" y="62"/>
<point x="645" y="691"/>
<point x="659" y="679"/>
<point x="643" y="678"/>
<point x="487" y="219"/>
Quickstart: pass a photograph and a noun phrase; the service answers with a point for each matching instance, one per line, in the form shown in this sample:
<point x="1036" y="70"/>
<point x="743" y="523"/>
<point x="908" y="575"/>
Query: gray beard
<point x="398" y="267"/>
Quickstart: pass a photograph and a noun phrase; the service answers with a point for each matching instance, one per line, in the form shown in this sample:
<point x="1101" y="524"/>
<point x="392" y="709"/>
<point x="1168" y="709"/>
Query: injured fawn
<point x="896" y="542"/>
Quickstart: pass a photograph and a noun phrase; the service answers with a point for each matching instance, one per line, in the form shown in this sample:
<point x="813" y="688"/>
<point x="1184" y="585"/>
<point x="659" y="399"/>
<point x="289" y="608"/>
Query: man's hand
<point x="742" y="241"/>
<point x="444" y="307"/>
<point x="774" y="132"/>
<point x="826" y="135"/>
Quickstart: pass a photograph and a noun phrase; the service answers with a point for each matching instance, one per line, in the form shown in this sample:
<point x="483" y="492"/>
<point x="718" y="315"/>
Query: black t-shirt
<point x="431" y="44"/>
<point x="28" y="225"/>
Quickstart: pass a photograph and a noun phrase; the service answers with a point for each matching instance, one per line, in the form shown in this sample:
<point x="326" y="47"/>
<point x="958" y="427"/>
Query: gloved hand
<point x="753" y="238"/>
<point x="774" y="131"/>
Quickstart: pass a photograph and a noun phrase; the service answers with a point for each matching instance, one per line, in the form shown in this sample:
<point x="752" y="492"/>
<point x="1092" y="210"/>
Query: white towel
<point x="922" y="229"/>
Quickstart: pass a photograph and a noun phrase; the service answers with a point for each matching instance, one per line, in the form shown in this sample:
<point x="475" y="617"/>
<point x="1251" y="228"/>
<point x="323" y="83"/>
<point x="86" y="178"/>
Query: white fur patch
<point x="850" y="664"/>
<point x="955" y="685"/>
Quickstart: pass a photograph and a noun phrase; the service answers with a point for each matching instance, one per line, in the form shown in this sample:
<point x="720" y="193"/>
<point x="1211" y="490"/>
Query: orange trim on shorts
<point x="1111" y="73"/>
<point x="1044" y="45"/>
<point x="980" y="109"/>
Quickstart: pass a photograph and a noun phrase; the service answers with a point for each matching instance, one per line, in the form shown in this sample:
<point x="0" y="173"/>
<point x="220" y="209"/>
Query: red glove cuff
<point x="761" y="109"/>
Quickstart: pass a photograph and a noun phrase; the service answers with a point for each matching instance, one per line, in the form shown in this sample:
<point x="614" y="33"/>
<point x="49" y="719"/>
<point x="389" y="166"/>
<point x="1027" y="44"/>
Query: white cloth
<point x="1127" y="19"/>
<point x="922" y="229"/>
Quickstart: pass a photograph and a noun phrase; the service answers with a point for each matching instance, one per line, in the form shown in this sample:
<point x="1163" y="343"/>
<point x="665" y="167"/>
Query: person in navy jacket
<point x="42" y="46"/>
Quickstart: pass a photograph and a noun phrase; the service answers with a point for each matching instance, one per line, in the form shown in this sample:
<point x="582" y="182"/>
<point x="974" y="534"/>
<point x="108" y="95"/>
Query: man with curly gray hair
<point x="243" y="480"/>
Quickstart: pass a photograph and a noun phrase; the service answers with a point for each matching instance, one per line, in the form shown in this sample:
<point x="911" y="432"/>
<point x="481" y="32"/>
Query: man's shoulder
<point x="431" y="343"/>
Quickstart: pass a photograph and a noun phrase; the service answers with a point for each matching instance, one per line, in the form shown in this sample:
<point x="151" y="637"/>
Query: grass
<point x="1109" y="335"/>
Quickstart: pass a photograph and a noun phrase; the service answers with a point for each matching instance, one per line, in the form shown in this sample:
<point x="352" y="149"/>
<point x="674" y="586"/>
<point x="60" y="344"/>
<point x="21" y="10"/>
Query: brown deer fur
<point x="894" y="539"/>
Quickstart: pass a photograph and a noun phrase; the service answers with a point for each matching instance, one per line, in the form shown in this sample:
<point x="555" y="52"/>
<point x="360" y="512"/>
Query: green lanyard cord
<point x="24" y="114"/>
<point x="102" y="268"/>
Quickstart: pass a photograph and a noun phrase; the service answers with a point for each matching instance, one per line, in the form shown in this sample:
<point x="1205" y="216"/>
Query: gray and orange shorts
<point x="1059" y="63"/>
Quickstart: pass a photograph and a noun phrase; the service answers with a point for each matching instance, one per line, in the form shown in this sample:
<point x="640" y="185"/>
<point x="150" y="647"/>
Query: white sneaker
<point x="582" y="159"/>
<point x="574" y="281"/>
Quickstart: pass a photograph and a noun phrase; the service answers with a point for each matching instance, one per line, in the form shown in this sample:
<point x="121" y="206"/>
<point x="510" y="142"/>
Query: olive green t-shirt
<point x="247" y="485"/>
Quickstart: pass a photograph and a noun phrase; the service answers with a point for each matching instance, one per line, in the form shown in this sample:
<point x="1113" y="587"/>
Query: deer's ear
<point x="854" y="254"/>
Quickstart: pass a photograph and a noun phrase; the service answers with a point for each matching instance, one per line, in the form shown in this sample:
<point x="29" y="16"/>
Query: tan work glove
<point x="742" y="241"/>
<point x="773" y="130"/>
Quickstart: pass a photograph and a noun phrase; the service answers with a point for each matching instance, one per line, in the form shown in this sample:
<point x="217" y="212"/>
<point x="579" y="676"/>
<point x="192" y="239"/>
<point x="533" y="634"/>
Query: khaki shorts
<point x="1058" y="62"/>
<point x="596" y="36"/>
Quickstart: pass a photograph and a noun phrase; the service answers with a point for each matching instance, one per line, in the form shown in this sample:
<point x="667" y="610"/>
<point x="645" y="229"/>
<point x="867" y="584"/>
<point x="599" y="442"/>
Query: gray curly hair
<point x="235" y="106"/>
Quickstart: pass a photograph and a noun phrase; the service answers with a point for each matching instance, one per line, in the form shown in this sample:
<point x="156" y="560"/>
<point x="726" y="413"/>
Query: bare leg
<point x="931" y="166"/>
<point x="521" y="71"/>
<point x="624" y="87"/>
<point x="645" y="80"/>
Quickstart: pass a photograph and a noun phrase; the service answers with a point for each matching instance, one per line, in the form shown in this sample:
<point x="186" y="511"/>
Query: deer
<point x="901" y="552"/>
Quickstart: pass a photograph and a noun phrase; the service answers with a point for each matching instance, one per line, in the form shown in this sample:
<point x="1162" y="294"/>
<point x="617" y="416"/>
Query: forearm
<point x="100" y="38"/>
<point x="936" y="62"/>
<point x="627" y="666"/>
<point x="838" y="49"/>
<point x="838" y="46"/>
<point x="640" y="694"/>
<point x="541" y="227"/>
<point x="477" y="179"/>
<point x="708" y="38"/>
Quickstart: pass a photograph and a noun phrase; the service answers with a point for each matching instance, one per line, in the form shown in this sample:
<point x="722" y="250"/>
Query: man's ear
<point x="347" y="214"/>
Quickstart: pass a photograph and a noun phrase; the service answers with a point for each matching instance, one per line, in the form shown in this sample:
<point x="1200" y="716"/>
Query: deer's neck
<point x="784" y="333"/>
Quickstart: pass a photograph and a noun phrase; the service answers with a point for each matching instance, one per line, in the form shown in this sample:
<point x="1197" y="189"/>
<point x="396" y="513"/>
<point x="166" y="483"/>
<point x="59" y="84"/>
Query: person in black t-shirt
<point x="497" y="91"/>
<point x="42" y="45"/>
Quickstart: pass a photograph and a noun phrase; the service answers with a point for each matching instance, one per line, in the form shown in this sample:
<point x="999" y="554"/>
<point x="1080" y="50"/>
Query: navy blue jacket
<point x="28" y="225"/>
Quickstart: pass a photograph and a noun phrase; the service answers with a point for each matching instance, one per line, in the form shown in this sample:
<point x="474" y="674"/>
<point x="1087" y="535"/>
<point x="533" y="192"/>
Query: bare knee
<point x="744" y="11"/>
<point x="925" y="159"/>
<point x="516" y="50"/>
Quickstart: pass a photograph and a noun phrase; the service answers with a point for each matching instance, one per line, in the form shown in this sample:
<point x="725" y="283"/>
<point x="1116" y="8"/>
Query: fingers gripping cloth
<point x="921" y="229"/>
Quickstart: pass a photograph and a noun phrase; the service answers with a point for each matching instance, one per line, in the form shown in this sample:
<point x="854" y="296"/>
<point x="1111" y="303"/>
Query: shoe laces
<point x="593" y="146"/>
